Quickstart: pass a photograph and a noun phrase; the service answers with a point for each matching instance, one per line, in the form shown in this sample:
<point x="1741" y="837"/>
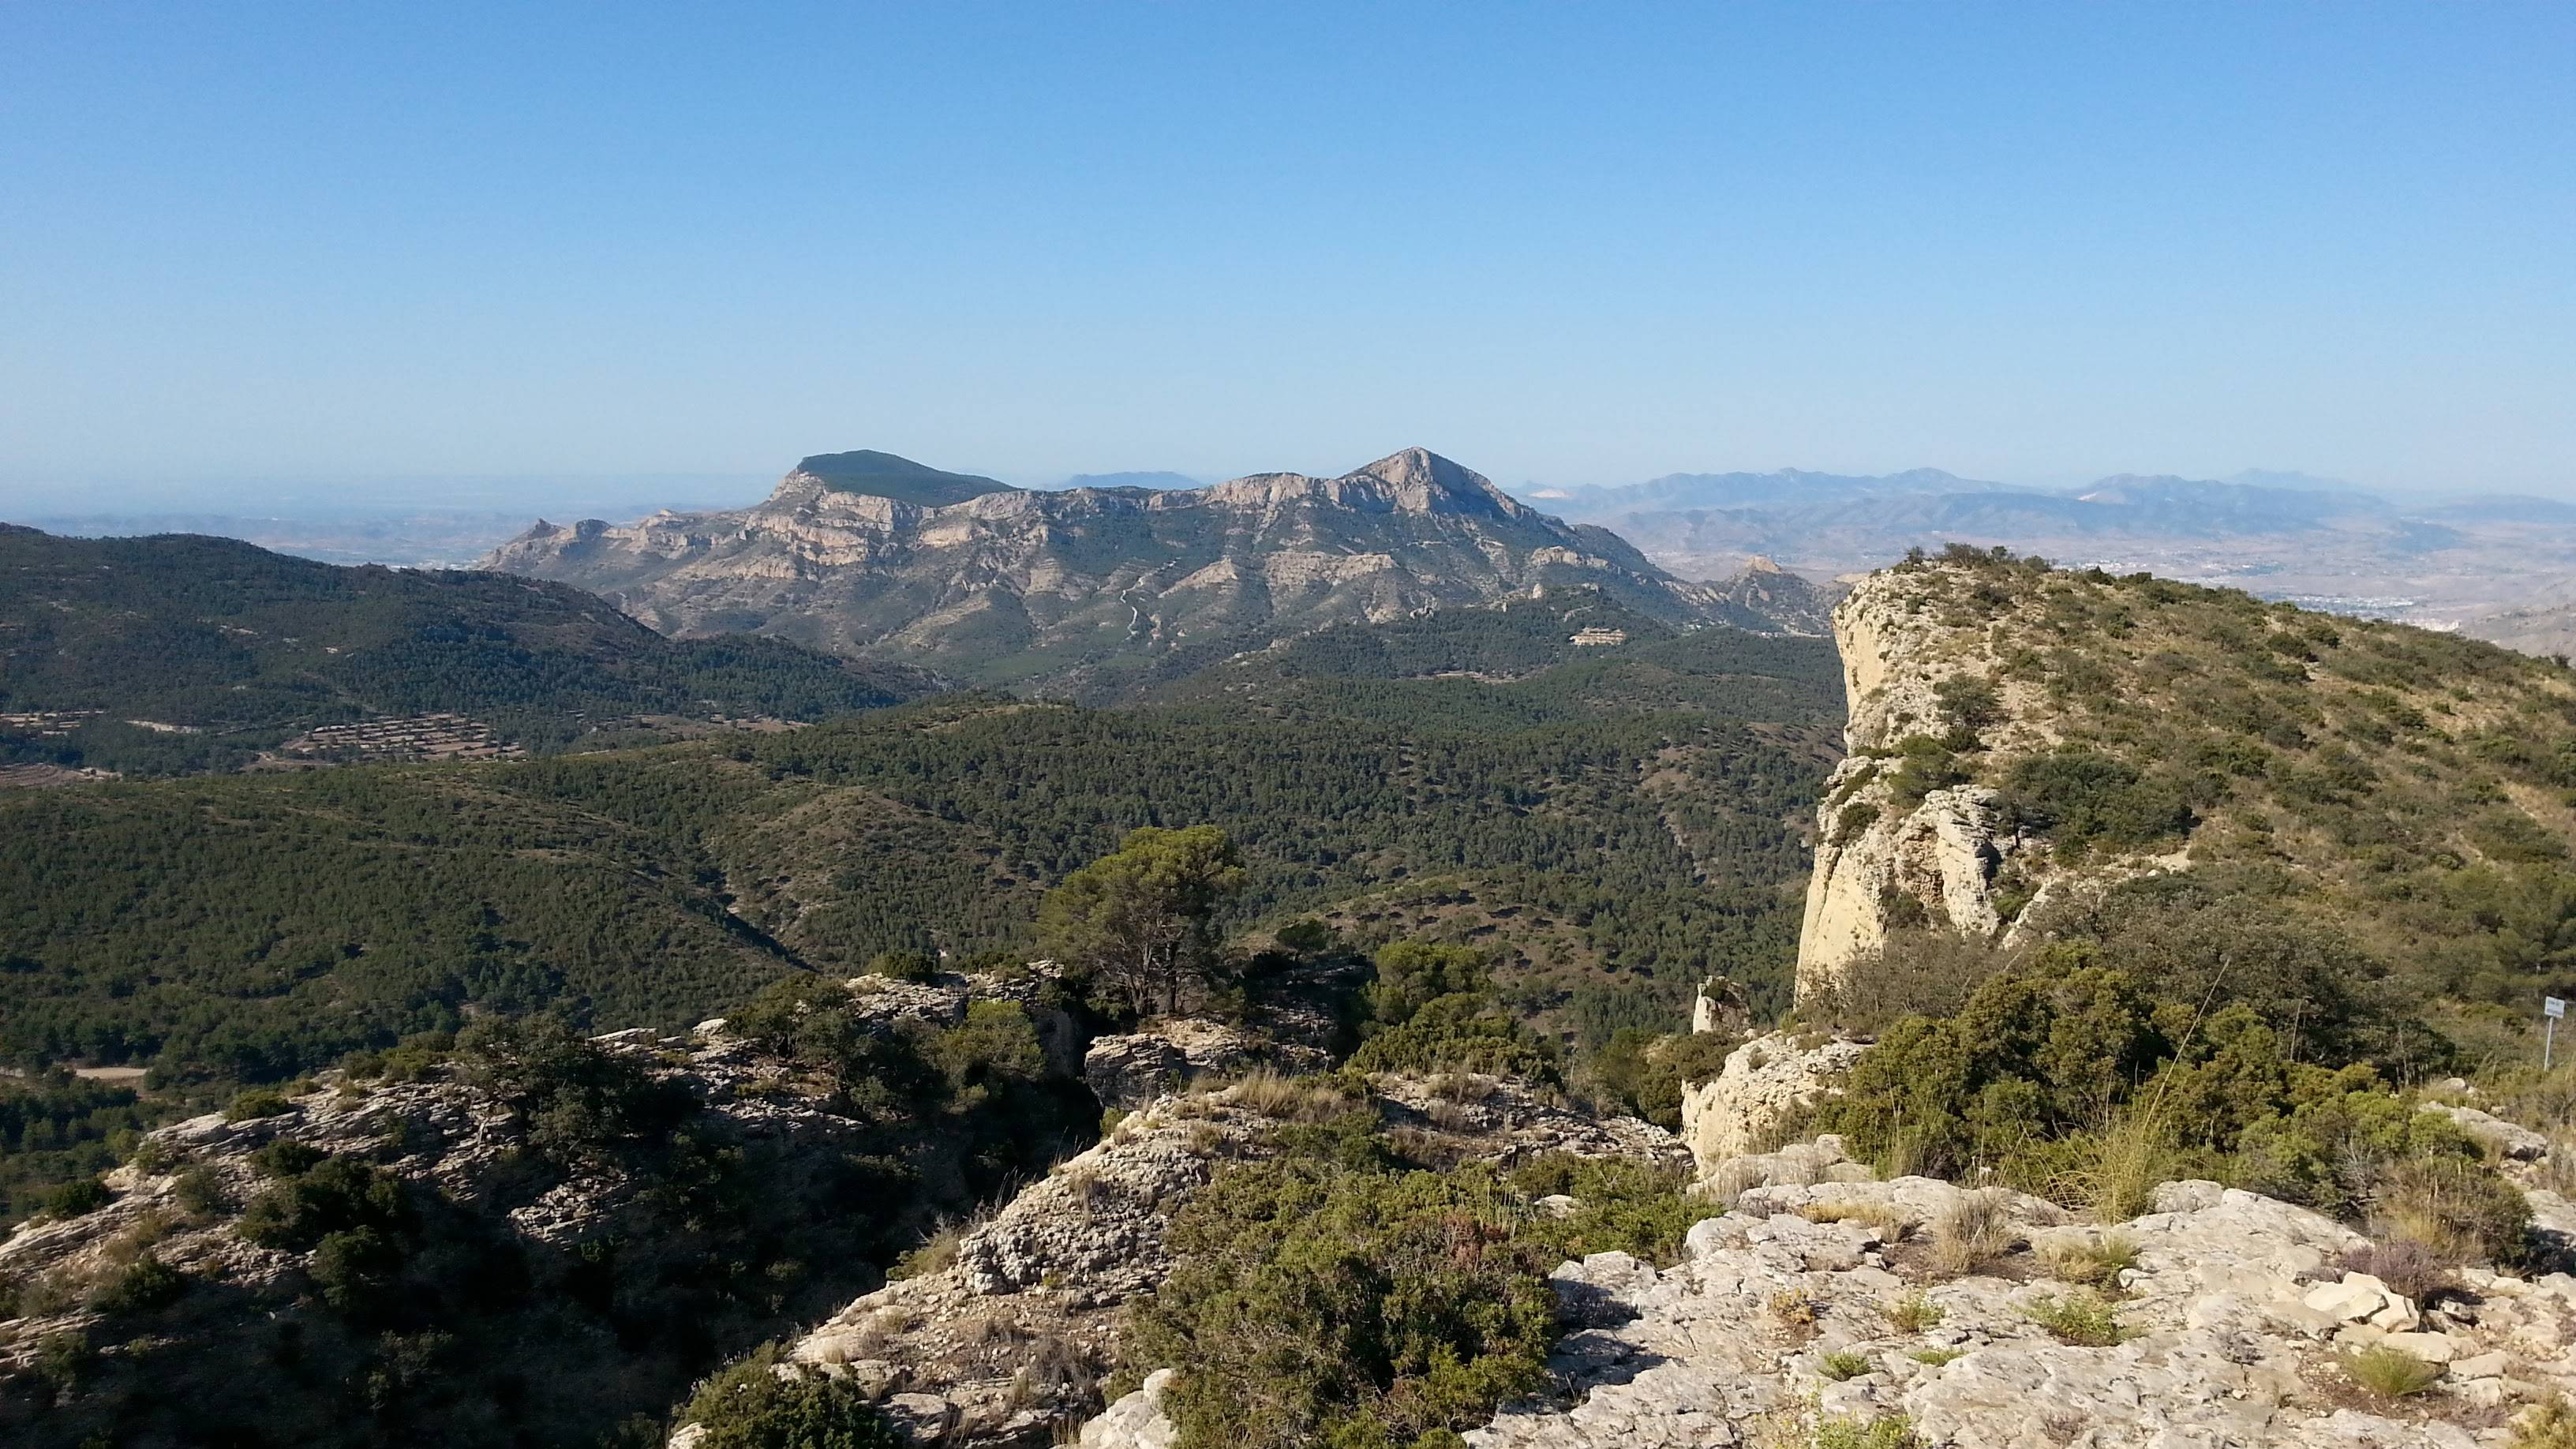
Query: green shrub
<point x="1916" y="972"/>
<point x="64" y="1360"/>
<point x="257" y="1102"/>
<point x="1410" y="974"/>
<point x="2390" y="1373"/>
<point x="1843" y="1365"/>
<point x="1311" y="1305"/>
<point x="1970" y="705"/>
<point x="1912" y="1313"/>
<point x="200" y="1190"/>
<point x="2079" y="796"/>
<point x="2080" y="1318"/>
<point x="1620" y="1205"/>
<point x="2550" y="1425"/>
<point x="1459" y="1033"/>
<point x="2457" y="1207"/>
<point x="1644" y="1073"/>
<point x="1936" y="1357"/>
<point x="1923" y="765"/>
<point x="78" y="1198"/>
<point x="142" y="1285"/>
<point x="2033" y="1056"/>
<point x="903" y="966"/>
<point x="355" y="1268"/>
<point x="995" y="1045"/>
<point x="750" y="1406"/>
<point x="285" y="1158"/>
<point x="1890" y="1431"/>
<point x="580" y="1102"/>
<point x="2091" y="1262"/>
<point x="335" y="1195"/>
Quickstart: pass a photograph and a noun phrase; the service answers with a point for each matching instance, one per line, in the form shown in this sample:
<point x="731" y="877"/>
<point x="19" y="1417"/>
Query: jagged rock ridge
<point x="1010" y="586"/>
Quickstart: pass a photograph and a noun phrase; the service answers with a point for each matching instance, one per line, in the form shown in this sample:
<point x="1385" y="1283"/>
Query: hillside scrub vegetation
<point x="2410" y="795"/>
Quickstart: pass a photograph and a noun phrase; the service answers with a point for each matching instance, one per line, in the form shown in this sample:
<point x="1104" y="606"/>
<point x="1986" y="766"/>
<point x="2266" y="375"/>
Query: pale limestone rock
<point x="868" y="576"/>
<point x="1134" y="1422"/>
<point x="2353" y="1300"/>
<point x="2399" y="1316"/>
<point x="2430" y="1347"/>
<point x="2506" y="1138"/>
<point x="1127" y="1072"/>
<point x="1740" y="1110"/>
<point x="1703" y="1362"/>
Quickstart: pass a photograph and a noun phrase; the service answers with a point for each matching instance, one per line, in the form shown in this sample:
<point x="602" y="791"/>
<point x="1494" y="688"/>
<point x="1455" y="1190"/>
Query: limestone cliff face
<point x="1008" y="586"/>
<point x="1881" y="859"/>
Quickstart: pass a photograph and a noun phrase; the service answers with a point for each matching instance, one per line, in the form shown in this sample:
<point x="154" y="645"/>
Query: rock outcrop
<point x="2221" y="1319"/>
<point x="1128" y="1072"/>
<point x="1890" y="852"/>
<point x="475" y="1187"/>
<point x="1000" y="1335"/>
<point x="1760" y="1088"/>
<point x="995" y="582"/>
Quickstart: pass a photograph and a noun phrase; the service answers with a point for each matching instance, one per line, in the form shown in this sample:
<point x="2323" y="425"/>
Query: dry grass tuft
<point x="2390" y="1373"/>
<point x="2130" y="1162"/>
<point x="1469" y="1088"/>
<point x="1732" y="1179"/>
<point x="1973" y="1231"/>
<point x="1454" y="1117"/>
<point x="1795" y="1310"/>
<point x="2091" y="1262"/>
<point x="1288" y="1099"/>
<point x="1887" y="1219"/>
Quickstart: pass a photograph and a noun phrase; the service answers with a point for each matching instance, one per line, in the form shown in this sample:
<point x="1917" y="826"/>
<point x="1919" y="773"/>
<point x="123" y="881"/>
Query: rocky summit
<point x="882" y="558"/>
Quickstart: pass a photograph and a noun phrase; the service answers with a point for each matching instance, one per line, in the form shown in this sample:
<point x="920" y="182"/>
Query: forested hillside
<point x="231" y="649"/>
<point x="1617" y="825"/>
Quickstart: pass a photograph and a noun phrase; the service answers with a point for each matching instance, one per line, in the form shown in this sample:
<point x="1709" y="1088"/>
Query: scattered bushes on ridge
<point x="1327" y="1298"/>
<point x="750" y="1406"/>
<point x="2057" y="1081"/>
<point x="1313" y="1305"/>
<point x="1461" y="1033"/>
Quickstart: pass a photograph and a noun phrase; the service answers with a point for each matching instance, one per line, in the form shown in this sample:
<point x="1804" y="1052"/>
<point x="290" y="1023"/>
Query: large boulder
<point x="1127" y="1072"/>
<point x="1742" y="1109"/>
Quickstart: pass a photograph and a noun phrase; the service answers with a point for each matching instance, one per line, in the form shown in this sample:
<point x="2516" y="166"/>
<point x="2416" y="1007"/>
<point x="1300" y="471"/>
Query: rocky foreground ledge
<point x="2221" y="1319"/>
<point x="1000" y="1338"/>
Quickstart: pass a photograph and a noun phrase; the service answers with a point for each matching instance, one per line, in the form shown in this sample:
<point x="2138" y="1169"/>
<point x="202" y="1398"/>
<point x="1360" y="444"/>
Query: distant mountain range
<point x="2448" y="563"/>
<point x="1097" y="589"/>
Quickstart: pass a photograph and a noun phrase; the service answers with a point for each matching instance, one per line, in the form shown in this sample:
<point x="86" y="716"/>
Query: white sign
<point x="2552" y="1006"/>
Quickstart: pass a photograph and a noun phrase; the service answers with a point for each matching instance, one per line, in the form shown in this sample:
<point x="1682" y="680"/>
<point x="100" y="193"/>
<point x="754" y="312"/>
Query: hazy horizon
<point x="619" y="498"/>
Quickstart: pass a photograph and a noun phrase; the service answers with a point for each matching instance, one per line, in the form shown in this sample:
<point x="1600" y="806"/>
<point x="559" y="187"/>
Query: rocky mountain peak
<point x="1422" y="479"/>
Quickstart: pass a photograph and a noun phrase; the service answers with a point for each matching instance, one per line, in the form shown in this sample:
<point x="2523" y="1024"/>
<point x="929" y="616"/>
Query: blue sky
<point x="246" y="248"/>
